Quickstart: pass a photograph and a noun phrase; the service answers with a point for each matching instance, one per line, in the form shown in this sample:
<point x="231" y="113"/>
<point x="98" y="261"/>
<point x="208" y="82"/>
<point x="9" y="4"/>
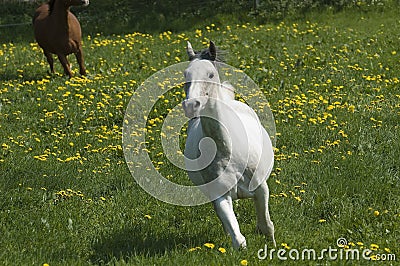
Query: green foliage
<point x="279" y="9"/>
<point x="124" y="16"/>
<point x="67" y="197"/>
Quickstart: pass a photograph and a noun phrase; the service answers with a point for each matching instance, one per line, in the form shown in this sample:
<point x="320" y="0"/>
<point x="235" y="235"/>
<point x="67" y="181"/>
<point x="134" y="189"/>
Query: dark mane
<point x="205" y="54"/>
<point x="51" y="5"/>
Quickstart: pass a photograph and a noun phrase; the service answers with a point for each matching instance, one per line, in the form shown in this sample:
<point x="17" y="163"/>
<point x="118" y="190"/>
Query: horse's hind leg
<point x="64" y="62"/>
<point x="224" y="210"/>
<point x="50" y="60"/>
<point x="264" y="223"/>
<point x="79" y="58"/>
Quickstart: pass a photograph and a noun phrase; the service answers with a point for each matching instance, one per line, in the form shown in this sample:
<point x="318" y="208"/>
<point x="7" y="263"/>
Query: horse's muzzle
<point x="192" y="107"/>
<point x="85" y="2"/>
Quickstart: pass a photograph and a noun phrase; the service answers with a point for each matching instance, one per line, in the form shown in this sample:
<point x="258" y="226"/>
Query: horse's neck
<point x="59" y="15"/>
<point x="214" y="124"/>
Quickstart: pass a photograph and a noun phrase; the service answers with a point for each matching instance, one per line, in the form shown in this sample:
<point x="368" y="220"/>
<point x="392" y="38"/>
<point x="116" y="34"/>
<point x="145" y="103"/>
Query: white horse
<point x="228" y="152"/>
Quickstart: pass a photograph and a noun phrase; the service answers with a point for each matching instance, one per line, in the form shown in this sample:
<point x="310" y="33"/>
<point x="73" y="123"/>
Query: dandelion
<point x="376" y="213"/>
<point x="147" y="216"/>
<point x="222" y="250"/>
<point x="209" y="245"/>
<point x="374" y="247"/>
<point x="194" y="249"/>
<point x="322" y="220"/>
<point x="244" y="262"/>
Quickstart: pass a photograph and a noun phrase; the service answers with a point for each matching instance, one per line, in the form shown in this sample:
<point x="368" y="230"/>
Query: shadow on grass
<point x="142" y="242"/>
<point x="14" y="75"/>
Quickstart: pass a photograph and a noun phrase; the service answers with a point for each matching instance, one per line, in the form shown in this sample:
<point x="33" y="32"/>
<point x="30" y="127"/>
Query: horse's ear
<point x="213" y="51"/>
<point x="190" y="51"/>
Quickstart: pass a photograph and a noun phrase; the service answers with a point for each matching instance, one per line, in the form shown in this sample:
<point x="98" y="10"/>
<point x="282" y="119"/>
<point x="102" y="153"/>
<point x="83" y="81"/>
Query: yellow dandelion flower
<point x="322" y="220"/>
<point x="194" y="249"/>
<point x="376" y="213"/>
<point x="222" y="250"/>
<point x="374" y="247"/>
<point x="147" y="216"/>
<point x="244" y="262"/>
<point x="209" y="245"/>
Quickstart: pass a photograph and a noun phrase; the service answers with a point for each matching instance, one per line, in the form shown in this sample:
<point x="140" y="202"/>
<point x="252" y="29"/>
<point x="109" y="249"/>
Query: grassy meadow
<point x="332" y="80"/>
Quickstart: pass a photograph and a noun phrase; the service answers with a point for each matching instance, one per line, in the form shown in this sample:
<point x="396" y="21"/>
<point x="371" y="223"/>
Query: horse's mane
<point x="205" y="54"/>
<point x="51" y="5"/>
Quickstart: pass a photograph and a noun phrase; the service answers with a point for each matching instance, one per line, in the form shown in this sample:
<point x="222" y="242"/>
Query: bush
<point x="279" y="9"/>
<point x="154" y="16"/>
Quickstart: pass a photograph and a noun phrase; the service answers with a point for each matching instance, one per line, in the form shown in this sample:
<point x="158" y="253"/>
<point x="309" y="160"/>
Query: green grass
<point x="67" y="197"/>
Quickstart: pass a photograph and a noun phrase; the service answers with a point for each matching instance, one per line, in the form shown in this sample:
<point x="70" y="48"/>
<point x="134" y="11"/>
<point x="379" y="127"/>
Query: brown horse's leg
<point x="79" y="58"/>
<point x="64" y="62"/>
<point x="49" y="60"/>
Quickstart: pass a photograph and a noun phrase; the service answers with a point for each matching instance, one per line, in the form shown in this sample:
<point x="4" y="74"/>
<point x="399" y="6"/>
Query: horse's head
<point x="201" y="81"/>
<point x="68" y="3"/>
<point x="65" y="4"/>
<point x="77" y="2"/>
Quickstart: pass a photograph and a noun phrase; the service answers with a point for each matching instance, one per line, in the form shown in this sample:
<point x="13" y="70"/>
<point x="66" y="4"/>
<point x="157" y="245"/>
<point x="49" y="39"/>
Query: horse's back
<point x="52" y="37"/>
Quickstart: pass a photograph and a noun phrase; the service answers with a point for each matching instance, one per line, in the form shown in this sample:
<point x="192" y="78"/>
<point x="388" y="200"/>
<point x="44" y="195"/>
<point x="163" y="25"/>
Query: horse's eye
<point x="211" y="75"/>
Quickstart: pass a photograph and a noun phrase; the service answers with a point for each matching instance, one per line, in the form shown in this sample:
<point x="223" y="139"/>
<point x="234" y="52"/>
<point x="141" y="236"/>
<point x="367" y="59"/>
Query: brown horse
<point x="58" y="31"/>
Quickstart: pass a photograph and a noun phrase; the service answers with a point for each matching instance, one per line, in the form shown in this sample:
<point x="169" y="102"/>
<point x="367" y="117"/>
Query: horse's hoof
<point x="243" y="245"/>
<point x="240" y="244"/>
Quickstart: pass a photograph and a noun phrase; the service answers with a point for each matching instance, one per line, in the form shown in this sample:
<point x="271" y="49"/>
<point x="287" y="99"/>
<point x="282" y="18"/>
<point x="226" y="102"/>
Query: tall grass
<point x="67" y="197"/>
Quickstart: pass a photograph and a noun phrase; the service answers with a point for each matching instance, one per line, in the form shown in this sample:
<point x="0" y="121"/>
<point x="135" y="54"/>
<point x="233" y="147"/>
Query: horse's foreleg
<point x="64" y="62"/>
<point x="264" y="223"/>
<point x="50" y="60"/>
<point x="223" y="208"/>
<point x="79" y="58"/>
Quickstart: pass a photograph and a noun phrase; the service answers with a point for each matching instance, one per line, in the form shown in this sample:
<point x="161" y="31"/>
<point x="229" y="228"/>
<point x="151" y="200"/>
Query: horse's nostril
<point x="196" y="104"/>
